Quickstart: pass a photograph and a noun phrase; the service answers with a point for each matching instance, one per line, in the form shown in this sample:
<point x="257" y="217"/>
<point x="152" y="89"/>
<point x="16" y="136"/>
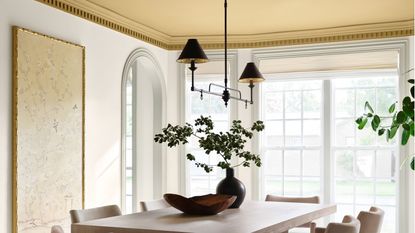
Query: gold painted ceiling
<point x="252" y="22"/>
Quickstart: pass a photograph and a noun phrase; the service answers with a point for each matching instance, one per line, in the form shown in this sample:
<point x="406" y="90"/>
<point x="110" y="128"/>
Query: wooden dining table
<point x="252" y="216"/>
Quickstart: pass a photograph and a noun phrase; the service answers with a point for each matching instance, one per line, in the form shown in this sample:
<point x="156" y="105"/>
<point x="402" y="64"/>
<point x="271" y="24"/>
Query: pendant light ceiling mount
<point x="193" y="53"/>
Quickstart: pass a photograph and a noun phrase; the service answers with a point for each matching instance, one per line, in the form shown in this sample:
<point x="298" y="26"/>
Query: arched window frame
<point x="159" y="172"/>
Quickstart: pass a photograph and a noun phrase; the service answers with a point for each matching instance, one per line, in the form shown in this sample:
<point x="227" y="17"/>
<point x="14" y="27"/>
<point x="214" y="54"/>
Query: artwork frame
<point x="54" y="65"/>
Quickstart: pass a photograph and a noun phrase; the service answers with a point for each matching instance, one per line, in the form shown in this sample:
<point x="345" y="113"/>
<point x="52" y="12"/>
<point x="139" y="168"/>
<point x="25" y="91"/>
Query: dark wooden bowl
<point x="200" y="205"/>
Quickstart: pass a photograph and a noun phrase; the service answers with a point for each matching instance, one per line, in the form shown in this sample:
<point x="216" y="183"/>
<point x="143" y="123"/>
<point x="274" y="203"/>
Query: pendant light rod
<point x="226" y="43"/>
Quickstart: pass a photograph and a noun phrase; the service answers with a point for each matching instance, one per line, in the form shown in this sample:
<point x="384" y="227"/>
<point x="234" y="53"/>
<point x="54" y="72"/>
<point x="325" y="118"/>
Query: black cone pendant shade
<point x="192" y="51"/>
<point x="251" y="74"/>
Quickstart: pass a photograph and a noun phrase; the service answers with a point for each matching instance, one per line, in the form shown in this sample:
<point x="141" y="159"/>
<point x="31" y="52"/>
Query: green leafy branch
<point x="401" y="118"/>
<point x="225" y="144"/>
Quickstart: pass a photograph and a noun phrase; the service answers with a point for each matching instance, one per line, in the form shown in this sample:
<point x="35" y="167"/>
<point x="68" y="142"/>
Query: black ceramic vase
<point x="232" y="186"/>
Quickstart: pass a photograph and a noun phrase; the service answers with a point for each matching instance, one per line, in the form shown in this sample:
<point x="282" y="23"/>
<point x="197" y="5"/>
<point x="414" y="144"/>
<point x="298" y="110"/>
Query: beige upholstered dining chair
<point x="371" y="221"/>
<point x="94" y="213"/>
<point x="56" y="229"/>
<point x="348" y="225"/>
<point x="153" y="205"/>
<point x="314" y="200"/>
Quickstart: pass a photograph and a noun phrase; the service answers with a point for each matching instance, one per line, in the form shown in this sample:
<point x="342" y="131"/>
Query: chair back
<point x="153" y="205"/>
<point x="56" y="229"/>
<point x="371" y="221"/>
<point x="94" y="213"/>
<point x="349" y="225"/>
<point x="314" y="199"/>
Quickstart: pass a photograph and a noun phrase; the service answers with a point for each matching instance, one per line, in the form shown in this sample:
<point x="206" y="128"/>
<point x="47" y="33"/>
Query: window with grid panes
<point x="364" y="165"/>
<point x="198" y="181"/>
<point x="292" y="139"/>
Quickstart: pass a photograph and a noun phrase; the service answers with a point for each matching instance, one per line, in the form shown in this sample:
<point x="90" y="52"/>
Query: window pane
<point x="293" y="132"/>
<point x="311" y="163"/>
<point x="389" y="220"/>
<point x="129" y="182"/>
<point x="292" y="187"/>
<point x="385" y="192"/>
<point x="385" y="164"/>
<point x="363" y="95"/>
<point x="366" y="136"/>
<point x="311" y="186"/>
<point x="344" y="191"/>
<point x="365" y="190"/>
<point x="274" y="133"/>
<point x="312" y="131"/>
<point x="128" y="204"/>
<point x="273" y="185"/>
<point x="345" y="132"/>
<point x="364" y="163"/>
<point x="274" y="105"/>
<point x="312" y="104"/>
<point x="292" y="163"/>
<point x="293" y="104"/>
<point x="345" y="103"/>
<point x="273" y="162"/>
<point x="344" y="163"/>
<point x="129" y="158"/>
<point x="386" y="97"/>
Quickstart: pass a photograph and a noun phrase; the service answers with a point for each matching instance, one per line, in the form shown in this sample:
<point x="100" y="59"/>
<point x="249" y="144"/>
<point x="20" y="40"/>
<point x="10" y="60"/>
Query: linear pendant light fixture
<point x="193" y="53"/>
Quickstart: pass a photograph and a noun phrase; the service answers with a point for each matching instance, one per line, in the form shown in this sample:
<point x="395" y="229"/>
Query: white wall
<point x="106" y="53"/>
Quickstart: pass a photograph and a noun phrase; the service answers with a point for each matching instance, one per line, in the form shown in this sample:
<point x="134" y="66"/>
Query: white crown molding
<point x="108" y="18"/>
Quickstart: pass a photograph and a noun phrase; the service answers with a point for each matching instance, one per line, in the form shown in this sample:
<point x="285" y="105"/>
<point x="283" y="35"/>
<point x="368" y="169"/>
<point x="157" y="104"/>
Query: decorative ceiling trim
<point x="112" y="20"/>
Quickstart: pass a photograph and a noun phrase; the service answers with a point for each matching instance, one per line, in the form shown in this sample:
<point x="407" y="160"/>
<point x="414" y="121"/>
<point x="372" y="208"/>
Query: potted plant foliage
<point x="228" y="145"/>
<point x="402" y="117"/>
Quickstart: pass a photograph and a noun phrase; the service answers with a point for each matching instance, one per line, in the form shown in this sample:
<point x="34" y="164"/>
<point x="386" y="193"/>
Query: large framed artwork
<point x="48" y="131"/>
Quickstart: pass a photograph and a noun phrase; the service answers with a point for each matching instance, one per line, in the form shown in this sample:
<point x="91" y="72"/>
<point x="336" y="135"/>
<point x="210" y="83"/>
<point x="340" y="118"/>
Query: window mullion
<point x="327" y="139"/>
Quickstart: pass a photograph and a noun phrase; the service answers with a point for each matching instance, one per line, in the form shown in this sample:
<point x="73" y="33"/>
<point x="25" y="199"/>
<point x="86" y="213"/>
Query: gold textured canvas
<point x="48" y="131"/>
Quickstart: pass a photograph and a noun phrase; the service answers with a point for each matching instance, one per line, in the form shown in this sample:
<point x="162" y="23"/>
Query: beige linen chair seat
<point x="371" y="221"/>
<point x="56" y="229"/>
<point x="348" y="225"/>
<point x="78" y="216"/>
<point x="312" y="200"/>
<point x="153" y="205"/>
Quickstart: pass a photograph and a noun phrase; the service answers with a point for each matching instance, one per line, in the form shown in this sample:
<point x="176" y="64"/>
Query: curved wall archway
<point x="143" y="114"/>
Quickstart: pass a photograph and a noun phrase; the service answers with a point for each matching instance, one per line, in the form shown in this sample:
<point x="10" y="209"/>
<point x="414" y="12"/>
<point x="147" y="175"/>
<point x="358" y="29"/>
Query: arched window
<point x="143" y="114"/>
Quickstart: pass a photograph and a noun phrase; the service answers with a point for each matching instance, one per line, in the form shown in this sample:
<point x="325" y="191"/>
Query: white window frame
<point x="159" y="162"/>
<point x="233" y="81"/>
<point x="401" y="46"/>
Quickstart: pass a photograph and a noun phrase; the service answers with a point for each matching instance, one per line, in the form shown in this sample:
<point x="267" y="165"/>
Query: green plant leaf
<point x="412" y="92"/>
<point x="409" y="109"/>
<point x="381" y="132"/>
<point x="375" y="122"/>
<point x="362" y="122"/>
<point x="411" y="128"/>
<point x="405" y="137"/>
<point x="368" y="107"/>
<point x="406" y="126"/>
<point x="190" y="157"/>
<point x="392" y="108"/>
<point x="406" y="101"/>
<point x="392" y="132"/>
<point x="411" y="81"/>
<point x="413" y="164"/>
<point x="401" y="117"/>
